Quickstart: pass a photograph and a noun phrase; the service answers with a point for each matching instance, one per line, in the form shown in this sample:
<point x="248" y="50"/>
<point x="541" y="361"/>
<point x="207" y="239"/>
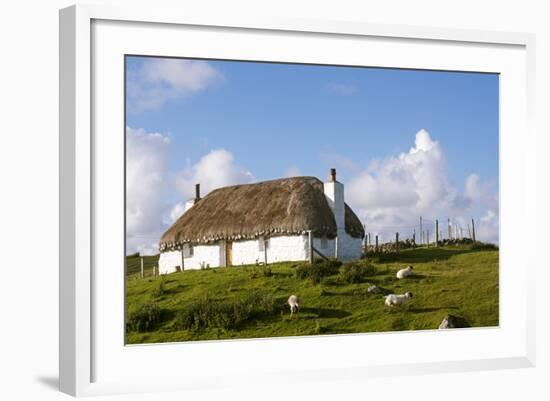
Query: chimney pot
<point x="333" y="175"/>
<point x="197" y="192"/>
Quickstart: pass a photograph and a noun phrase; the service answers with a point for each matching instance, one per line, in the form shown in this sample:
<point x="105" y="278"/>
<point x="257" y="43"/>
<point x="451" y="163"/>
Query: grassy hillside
<point x="133" y="265"/>
<point x="453" y="280"/>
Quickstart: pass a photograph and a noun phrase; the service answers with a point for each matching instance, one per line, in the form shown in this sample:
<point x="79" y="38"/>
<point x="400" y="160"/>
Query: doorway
<point x="229" y="253"/>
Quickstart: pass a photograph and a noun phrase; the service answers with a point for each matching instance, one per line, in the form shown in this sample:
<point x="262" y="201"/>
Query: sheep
<point x="294" y="303"/>
<point x="406" y="272"/>
<point x="397" y="300"/>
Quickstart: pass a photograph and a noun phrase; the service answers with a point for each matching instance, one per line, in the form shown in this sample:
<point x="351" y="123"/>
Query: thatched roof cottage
<point x="265" y="222"/>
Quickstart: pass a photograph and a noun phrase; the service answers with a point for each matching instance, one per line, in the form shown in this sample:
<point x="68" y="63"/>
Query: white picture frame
<point x="88" y="366"/>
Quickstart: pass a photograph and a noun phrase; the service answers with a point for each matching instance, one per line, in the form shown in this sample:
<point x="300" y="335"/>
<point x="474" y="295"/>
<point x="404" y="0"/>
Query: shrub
<point x="227" y="315"/>
<point x="261" y="271"/>
<point x="398" y="324"/>
<point x="262" y="302"/>
<point x="319" y="328"/>
<point x="316" y="271"/>
<point x="160" y="289"/>
<point x="144" y="318"/>
<point x="482" y="246"/>
<point x="355" y="272"/>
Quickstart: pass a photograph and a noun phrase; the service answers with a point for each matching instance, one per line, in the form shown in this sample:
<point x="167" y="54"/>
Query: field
<point x="458" y="280"/>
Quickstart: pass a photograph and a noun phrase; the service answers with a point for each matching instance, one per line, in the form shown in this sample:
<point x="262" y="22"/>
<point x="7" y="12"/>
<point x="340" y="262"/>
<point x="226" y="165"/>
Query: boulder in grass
<point x="373" y="289"/>
<point x="447" y="323"/>
<point x="452" y="322"/>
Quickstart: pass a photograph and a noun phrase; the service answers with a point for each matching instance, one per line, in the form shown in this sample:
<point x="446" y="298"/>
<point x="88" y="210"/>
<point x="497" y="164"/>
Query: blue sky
<point x="279" y="119"/>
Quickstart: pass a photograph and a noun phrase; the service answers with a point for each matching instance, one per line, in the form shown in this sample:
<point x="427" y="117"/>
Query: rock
<point x="374" y="289"/>
<point x="447" y="323"/>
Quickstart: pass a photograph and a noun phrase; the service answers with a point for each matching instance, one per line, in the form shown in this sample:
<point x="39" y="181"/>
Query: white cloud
<point x="487" y="228"/>
<point x="471" y="187"/>
<point x="149" y="182"/>
<point x="413" y="181"/>
<point x="160" y="80"/>
<point x="292" y="171"/>
<point x="392" y="193"/>
<point x="146" y="168"/>
<point x="214" y="170"/>
<point x="175" y="213"/>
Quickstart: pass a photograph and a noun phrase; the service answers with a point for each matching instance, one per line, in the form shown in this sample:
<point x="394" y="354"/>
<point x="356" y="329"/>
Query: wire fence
<point x="394" y="237"/>
<point x="424" y="232"/>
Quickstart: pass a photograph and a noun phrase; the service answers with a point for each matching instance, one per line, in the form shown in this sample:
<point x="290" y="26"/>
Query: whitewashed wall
<point x="280" y="249"/>
<point x="349" y="247"/>
<point x="212" y="255"/>
<point x="346" y="247"/>
<point x="328" y="250"/>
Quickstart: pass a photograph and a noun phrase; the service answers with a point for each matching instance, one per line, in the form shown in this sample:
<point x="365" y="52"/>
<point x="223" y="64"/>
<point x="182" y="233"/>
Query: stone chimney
<point x="332" y="175"/>
<point x="197" y="192"/>
<point x="334" y="192"/>
<point x="191" y="202"/>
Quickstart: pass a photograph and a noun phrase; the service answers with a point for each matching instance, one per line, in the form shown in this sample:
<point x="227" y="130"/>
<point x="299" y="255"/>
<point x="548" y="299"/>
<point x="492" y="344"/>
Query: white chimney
<point x="334" y="192"/>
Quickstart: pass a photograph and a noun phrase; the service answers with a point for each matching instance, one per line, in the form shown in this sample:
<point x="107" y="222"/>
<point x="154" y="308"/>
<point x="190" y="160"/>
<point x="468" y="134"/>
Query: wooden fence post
<point x="310" y="240"/>
<point x="421" y="232"/>
<point x="376" y="248"/>
<point x="436" y="232"/>
<point x="473" y="231"/>
<point x="397" y="242"/>
<point x="414" y="235"/>
<point x="141" y="259"/>
<point x="265" y="250"/>
<point x="428" y="237"/>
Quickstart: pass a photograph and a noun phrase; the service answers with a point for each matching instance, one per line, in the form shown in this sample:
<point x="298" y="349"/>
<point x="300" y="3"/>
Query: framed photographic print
<point x="237" y="194"/>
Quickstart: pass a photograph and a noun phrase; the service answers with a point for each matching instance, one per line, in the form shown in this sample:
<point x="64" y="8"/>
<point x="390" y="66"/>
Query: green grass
<point x="457" y="280"/>
<point x="133" y="266"/>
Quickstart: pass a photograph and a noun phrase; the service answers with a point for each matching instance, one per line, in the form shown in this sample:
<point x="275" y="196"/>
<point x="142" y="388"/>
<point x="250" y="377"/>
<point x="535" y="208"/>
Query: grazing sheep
<point x="294" y="303"/>
<point x="397" y="299"/>
<point x="406" y="272"/>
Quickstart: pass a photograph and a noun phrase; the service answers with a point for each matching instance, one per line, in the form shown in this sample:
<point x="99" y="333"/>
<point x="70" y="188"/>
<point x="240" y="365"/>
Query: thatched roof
<point x="269" y="208"/>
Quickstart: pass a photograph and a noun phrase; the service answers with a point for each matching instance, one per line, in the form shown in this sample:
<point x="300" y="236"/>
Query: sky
<point x="405" y="143"/>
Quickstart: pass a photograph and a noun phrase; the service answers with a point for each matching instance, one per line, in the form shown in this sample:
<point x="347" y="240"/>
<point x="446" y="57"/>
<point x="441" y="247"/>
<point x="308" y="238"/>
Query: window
<point x="188" y="251"/>
<point x="263" y="244"/>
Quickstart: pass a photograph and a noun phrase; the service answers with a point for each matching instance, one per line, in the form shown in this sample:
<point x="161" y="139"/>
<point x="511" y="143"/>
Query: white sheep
<point x="397" y="299"/>
<point x="294" y="303"/>
<point x="406" y="272"/>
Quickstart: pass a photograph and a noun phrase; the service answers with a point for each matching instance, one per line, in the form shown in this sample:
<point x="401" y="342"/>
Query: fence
<point x="453" y="235"/>
<point x="142" y="266"/>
